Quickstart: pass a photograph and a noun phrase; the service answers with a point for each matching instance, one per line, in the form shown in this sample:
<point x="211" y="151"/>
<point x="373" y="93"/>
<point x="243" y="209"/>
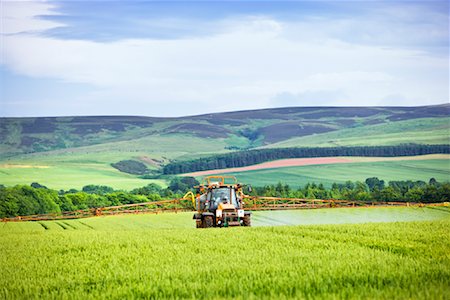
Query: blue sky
<point x="175" y="58"/>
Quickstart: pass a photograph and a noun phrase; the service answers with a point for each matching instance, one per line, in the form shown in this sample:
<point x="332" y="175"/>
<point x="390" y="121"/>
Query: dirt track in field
<point x="296" y="162"/>
<point x="12" y="166"/>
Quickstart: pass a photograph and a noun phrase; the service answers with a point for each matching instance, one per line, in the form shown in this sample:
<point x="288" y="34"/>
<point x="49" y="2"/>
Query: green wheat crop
<point x="403" y="260"/>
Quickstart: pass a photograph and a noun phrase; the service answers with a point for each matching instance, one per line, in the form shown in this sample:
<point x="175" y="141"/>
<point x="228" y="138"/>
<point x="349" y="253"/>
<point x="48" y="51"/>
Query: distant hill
<point x="278" y="127"/>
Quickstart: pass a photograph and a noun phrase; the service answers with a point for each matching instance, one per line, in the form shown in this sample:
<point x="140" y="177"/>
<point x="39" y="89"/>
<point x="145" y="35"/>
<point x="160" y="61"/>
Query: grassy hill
<point x="420" y="131"/>
<point x="233" y="130"/>
<point x="71" y="151"/>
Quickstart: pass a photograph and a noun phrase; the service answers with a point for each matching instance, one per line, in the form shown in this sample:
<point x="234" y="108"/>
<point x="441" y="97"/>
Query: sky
<point x="178" y="58"/>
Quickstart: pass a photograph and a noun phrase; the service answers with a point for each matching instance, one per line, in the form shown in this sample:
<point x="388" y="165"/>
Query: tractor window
<point x="219" y="195"/>
<point x="201" y="202"/>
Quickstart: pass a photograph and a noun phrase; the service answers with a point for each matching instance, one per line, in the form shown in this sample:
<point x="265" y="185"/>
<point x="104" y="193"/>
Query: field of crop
<point x="358" y="171"/>
<point x="297" y="162"/>
<point x="419" y="131"/>
<point x="128" y="257"/>
<point x="259" y="219"/>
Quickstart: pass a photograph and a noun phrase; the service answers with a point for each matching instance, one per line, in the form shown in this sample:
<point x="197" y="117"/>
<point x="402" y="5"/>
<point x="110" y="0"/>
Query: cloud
<point x="21" y="17"/>
<point x="251" y="62"/>
<point x="308" y="98"/>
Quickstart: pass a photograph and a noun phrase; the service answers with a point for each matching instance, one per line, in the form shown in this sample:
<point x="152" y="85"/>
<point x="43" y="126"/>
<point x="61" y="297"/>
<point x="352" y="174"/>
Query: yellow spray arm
<point x="190" y="196"/>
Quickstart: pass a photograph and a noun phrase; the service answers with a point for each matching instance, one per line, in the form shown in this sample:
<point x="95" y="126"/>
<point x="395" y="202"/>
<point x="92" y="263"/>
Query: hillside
<point x="70" y="151"/>
<point x="235" y="130"/>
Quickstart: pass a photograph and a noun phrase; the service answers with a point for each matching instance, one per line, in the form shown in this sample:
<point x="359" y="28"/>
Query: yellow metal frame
<point x="190" y="196"/>
<point x="220" y="179"/>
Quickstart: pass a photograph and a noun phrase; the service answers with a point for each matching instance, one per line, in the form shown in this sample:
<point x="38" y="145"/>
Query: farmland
<point x="356" y="171"/>
<point x="66" y="175"/>
<point x="70" y="152"/>
<point x="297" y="162"/>
<point x="77" y="167"/>
<point x="161" y="256"/>
<point x="224" y="150"/>
<point x="66" y="171"/>
<point x="427" y="131"/>
<point x="260" y="218"/>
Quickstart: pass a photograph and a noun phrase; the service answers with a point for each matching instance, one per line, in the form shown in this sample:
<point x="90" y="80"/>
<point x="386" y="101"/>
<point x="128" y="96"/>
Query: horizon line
<point x="227" y="112"/>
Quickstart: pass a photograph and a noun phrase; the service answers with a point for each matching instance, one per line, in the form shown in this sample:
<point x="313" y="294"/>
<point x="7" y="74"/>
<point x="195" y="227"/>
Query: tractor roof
<point x="219" y="181"/>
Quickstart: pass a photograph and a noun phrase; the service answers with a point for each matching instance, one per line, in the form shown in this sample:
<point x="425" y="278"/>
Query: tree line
<point x="21" y="200"/>
<point x="371" y="190"/>
<point x="251" y="157"/>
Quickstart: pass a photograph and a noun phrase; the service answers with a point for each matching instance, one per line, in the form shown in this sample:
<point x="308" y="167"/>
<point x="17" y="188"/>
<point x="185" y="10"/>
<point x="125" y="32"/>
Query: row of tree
<point x="131" y="167"/>
<point x="372" y="190"/>
<point x="23" y="200"/>
<point x="251" y="157"/>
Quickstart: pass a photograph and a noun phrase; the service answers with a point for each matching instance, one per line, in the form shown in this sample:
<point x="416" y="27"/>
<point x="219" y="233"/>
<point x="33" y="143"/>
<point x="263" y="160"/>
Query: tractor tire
<point x="208" y="222"/>
<point x="247" y="221"/>
<point x="199" y="223"/>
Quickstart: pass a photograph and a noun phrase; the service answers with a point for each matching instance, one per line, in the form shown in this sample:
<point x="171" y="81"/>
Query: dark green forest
<point x="21" y="200"/>
<point x="131" y="167"/>
<point x="251" y="157"/>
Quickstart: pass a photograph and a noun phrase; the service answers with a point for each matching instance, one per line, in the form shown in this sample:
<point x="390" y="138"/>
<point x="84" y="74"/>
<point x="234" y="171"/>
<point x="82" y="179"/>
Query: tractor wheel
<point x="247" y="221"/>
<point x="199" y="223"/>
<point x="208" y="222"/>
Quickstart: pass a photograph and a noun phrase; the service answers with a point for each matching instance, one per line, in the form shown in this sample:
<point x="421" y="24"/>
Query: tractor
<point x="219" y="203"/>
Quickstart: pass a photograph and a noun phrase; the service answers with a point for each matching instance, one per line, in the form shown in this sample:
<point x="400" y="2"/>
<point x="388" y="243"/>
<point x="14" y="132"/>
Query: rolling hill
<point x="72" y="151"/>
<point x="238" y="130"/>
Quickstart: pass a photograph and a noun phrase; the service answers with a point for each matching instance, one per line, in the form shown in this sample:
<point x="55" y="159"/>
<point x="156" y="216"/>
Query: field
<point x="67" y="175"/>
<point x="127" y="257"/>
<point x="297" y="162"/>
<point x="77" y="167"/>
<point x="260" y="218"/>
<point x="421" y="131"/>
<point x="358" y="171"/>
<point x="77" y="170"/>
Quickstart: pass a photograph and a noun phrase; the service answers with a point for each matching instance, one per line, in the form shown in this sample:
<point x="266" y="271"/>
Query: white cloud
<point x="20" y="16"/>
<point x="251" y="62"/>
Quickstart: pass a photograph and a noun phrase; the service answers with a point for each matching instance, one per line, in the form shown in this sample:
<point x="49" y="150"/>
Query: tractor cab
<point x="219" y="203"/>
<point x="221" y="195"/>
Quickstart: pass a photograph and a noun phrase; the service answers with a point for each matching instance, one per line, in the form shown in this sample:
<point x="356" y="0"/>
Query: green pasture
<point x="119" y="258"/>
<point x="70" y="170"/>
<point x="339" y="173"/>
<point x="77" y="167"/>
<point x="67" y="176"/>
<point x="153" y="146"/>
<point x="417" y="131"/>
